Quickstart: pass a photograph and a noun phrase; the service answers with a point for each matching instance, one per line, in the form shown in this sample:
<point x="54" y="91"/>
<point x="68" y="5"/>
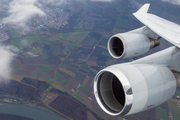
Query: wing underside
<point x="166" y="29"/>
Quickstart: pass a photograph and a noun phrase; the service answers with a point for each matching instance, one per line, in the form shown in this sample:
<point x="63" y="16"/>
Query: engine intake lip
<point x="117" y="46"/>
<point x="126" y="88"/>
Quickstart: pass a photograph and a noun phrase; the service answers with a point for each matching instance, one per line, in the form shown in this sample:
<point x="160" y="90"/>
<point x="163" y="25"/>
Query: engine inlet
<point x="111" y="92"/>
<point x="116" y="47"/>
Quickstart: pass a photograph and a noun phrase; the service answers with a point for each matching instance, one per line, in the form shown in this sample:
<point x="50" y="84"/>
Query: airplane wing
<point x="166" y="29"/>
<point x="132" y="87"/>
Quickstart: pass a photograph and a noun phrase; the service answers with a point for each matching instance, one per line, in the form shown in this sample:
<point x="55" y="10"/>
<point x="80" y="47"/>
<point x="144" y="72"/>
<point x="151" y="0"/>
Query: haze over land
<point x="52" y="49"/>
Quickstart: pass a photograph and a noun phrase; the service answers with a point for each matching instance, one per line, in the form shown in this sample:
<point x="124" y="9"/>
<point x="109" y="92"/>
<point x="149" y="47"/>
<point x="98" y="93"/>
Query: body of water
<point x="28" y="112"/>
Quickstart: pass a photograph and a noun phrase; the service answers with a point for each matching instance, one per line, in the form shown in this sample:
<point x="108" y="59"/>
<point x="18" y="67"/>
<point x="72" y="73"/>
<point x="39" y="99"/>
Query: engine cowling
<point x="126" y="45"/>
<point x="125" y="89"/>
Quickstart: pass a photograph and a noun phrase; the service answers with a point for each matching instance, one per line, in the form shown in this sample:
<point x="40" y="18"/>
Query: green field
<point x="45" y="68"/>
<point x="77" y="97"/>
<point x="105" y="53"/>
<point x="57" y="75"/>
<point x="64" y="82"/>
<point x="162" y="113"/>
<point x="44" y="55"/>
<point x="177" y="93"/>
<point x="95" y="72"/>
<point x="173" y="105"/>
<point x="37" y="50"/>
<point x="80" y="59"/>
<point x="78" y="27"/>
<point x="24" y="42"/>
<point x="85" y="68"/>
<point x="17" y="67"/>
<point x="174" y="108"/>
<point x="74" y="37"/>
<point x="90" y="19"/>
<point x="55" y="53"/>
<point x="176" y="115"/>
<point x="81" y="88"/>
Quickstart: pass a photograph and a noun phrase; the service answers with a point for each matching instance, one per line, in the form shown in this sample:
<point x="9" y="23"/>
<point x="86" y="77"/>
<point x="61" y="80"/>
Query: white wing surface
<point x="166" y="29"/>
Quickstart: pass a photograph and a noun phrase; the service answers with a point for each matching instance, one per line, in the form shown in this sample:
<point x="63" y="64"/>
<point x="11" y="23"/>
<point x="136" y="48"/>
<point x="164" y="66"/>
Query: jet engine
<point x="125" y="89"/>
<point x="129" y="88"/>
<point x="126" y="45"/>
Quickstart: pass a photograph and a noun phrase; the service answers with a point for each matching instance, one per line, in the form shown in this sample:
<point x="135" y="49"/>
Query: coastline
<point x="27" y="109"/>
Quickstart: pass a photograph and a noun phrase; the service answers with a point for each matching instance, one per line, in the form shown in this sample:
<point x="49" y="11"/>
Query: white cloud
<point x="24" y="42"/>
<point x="55" y="2"/>
<point x="135" y="4"/>
<point x="60" y="2"/>
<point x="175" y="2"/>
<point x="32" y="54"/>
<point x="21" y="11"/>
<point x="6" y="57"/>
<point x="12" y="48"/>
<point x="102" y="0"/>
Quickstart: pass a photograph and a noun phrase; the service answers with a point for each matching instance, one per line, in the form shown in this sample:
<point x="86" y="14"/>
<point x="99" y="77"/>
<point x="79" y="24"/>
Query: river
<point x="28" y="112"/>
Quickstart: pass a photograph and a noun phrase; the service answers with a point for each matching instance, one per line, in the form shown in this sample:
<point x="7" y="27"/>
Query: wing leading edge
<point x="164" y="28"/>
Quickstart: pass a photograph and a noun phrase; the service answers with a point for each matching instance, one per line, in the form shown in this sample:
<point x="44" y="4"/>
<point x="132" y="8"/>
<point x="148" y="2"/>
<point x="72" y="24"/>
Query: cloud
<point x="102" y="0"/>
<point x="60" y="2"/>
<point x="12" y="48"/>
<point x="6" y="57"/>
<point x="32" y="54"/>
<point x="135" y="4"/>
<point x="24" y="42"/>
<point x="20" y="11"/>
<point x="55" y="2"/>
<point x="175" y="2"/>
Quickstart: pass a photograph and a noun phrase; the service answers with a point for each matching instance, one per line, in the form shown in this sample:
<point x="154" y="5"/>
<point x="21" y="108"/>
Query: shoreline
<point x="27" y="103"/>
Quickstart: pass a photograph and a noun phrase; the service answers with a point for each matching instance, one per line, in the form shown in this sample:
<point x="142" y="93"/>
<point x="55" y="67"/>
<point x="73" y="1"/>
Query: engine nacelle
<point x="126" y="45"/>
<point x="125" y="89"/>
